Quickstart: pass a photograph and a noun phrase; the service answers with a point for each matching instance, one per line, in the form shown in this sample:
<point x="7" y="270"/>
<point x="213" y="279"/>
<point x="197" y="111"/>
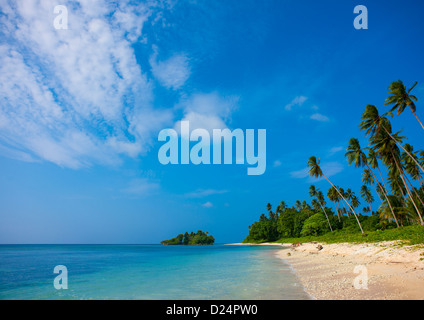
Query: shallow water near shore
<point x="147" y="272"/>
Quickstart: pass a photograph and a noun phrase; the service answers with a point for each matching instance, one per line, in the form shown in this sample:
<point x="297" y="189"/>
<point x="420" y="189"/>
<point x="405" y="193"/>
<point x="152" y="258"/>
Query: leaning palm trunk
<point x="407" y="188"/>
<point x="420" y="180"/>
<point x="400" y="145"/>
<point x="417" y="117"/>
<point x="379" y="196"/>
<point x="344" y="207"/>
<point x="359" y="223"/>
<point x="337" y="210"/>
<point x="329" y="224"/>
<point x="382" y="179"/>
<point x="384" y="192"/>
<point x="415" y="191"/>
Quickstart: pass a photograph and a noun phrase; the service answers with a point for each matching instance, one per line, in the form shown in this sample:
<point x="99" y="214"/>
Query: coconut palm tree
<point x="315" y="204"/>
<point x="355" y="155"/>
<point x="390" y="153"/>
<point x="414" y="190"/>
<point x="373" y="163"/>
<point x="321" y="200"/>
<point x="281" y="207"/>
<point x="421" y="157"/>
<point x="355" y="201"/>
<point x="305" y="205"/>
<point x="411" y="167"/>
<point x="373" y="123"/>
<point x="348" y="195"/>
<point x="368" y="180"/>
<point x="401" y="98"/>
<point x="332" y="195"/>
<point x="316" y="172"/>
<point x="366" y="194"/>
<point x="298" y="205"/>
<point x="319" y="197"/>
<point x="401" y="211"/>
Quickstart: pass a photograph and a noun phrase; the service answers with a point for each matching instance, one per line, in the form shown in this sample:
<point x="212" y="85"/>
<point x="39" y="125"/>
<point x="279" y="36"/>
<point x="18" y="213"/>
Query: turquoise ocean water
<point x="147" y="272"/>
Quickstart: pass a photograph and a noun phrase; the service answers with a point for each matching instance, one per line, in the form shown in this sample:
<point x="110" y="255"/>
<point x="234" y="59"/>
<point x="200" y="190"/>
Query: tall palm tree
<point x="390" y="154"/>
<point x="414" y="190"/>
<point x="355" y="155"/>
<point x="315" y="193"/>
<point x="315" y="204"/>
<point x="316" y="172"/>
<point x="272" y="215"/>
<point x="368" y="179"/>
<point x="396" y="184"/>
<point x="401" y="98"/>
<point x="373" y="163"/>
<point x="298" y="205"/>
<point x="411" y="167"/>
<point x="366" y="194"/>
<point x="348" y="195"/>
<point x="422" y="158"/>
<point x="373" y="123"/>
<point x="332" y="195"/>
<point x="281" y="207"/>
<point x="305" y="205"/>
<point x="355" y="201"/>
<point x="401" y="211"/>
<point x="321" y="200"/>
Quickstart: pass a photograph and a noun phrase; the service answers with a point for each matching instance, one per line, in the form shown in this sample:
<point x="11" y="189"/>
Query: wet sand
<point x="383" y="271"/>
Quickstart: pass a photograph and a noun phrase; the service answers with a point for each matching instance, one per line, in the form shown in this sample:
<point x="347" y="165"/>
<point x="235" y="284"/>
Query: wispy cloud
<point x="207" y="110"/>
<point x="298" y="101"/>
<point x="201" y="193"/>
<point x="300" y="174"/>
<point x="207" y="204"/>
<point x="319" y="117"/>
<point x="141" y="187"/>
<point x="277" y="163"/>
<point x="334" y="150"/>
<point x="77" y="96"/>
<point x="171" y="73"/>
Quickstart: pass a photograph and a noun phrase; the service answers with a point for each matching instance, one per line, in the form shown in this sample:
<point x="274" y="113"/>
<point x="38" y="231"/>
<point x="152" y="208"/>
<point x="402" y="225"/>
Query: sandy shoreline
<point x="394" y="272"/>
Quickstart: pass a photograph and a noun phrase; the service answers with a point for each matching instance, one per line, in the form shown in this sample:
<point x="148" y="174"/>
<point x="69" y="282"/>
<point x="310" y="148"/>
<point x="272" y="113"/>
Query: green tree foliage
<point x="316" y="225"/>
<point x="199" y="238"/>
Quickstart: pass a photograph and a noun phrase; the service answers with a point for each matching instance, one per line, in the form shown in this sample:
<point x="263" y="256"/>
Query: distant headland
<point x="199" y="238"/>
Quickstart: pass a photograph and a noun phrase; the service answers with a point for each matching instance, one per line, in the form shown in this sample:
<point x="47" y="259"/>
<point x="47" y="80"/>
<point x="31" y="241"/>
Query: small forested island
<point x="199" y="238"/>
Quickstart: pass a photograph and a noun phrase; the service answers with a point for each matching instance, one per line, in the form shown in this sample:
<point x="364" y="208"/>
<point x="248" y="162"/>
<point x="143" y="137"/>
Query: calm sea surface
<point x="147" y="272"/>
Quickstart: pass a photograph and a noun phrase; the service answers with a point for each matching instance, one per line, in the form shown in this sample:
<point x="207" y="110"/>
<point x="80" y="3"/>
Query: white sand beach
<point x="394" y="271"/>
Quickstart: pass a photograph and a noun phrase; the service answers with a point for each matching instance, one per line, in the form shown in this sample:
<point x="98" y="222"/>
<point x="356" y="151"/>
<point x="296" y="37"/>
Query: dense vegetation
<point x="400" y="191"/>
<point x="199" y="238"/>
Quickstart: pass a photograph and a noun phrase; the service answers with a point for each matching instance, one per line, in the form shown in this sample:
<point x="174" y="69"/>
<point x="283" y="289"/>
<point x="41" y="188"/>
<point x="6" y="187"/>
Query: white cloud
<point x="171" y="73"/>
<point x="77" y="96"/>
<point x="319" y="117"/>
<point x="277" y="163"/>
<point x="207" y="111"/>
<point x="201" y="193"/>
<point x="141" y="187"/>
<point x="207" y="205"/>
<point x="334" y="150"/>
<point x="300" y="174"/>
<point x="298" y="101"/>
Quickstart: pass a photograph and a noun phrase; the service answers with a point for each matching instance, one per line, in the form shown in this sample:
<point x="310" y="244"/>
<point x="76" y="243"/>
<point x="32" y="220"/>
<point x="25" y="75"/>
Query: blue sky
<point x="81" y="109"/>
